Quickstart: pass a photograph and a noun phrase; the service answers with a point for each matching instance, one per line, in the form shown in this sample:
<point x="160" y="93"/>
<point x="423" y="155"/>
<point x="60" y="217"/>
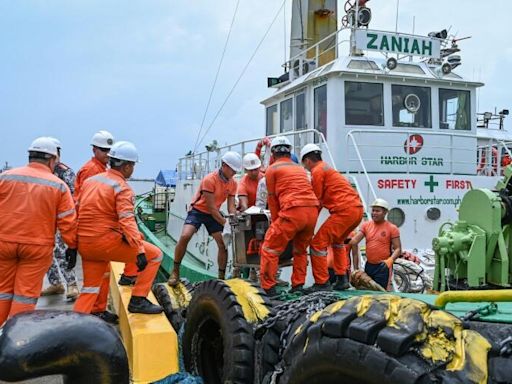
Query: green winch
<point x="474" y="251"/>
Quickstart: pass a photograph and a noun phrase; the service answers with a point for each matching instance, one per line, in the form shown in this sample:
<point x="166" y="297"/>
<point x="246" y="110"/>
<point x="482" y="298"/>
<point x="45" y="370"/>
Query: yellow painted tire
<point x="385" y="339"/>
<point x="218" y="343"/>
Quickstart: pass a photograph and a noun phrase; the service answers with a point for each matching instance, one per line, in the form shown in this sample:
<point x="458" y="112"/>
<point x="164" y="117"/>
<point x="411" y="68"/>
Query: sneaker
<point x="341" y="283"/>
<point x="319" y="287"/>
<point x="127" y="280"/>
<point x="297" y="289"/>
<point x="174" y="279"/>
<point x="53" y="290"/>
<point x="72" y="292"/>
<point x="139" y="304"/>
<point x="107" y="316"/>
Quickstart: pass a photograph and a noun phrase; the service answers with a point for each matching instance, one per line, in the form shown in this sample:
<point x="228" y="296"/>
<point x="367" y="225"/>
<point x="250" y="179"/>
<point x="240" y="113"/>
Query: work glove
<point x="389" y="262"/>
<point x="70" y="258"/>
<point x="227" y="236"/>
<point x="141" y="262"/>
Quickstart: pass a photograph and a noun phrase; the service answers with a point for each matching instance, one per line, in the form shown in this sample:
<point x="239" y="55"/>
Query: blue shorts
<point x="379" y="273"/>
<point x="197" y="218"/>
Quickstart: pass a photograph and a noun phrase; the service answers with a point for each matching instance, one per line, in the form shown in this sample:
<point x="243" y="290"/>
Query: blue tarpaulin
<point x="167" y="178"/>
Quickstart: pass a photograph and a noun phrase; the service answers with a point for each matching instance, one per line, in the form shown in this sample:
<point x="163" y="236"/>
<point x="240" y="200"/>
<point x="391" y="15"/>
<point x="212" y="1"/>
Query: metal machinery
<point x="474" y="252"/>
<point x="249" y="230"/>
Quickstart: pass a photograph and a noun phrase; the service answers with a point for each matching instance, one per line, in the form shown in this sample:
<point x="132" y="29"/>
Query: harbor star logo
<point x="413" y="144"/>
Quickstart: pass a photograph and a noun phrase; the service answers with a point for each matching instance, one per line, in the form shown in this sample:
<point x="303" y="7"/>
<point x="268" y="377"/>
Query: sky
<point x="143" y="69"/>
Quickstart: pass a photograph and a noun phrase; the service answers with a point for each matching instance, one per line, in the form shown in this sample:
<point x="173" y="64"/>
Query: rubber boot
<point x="319" y="287"/>
<point x="272" y="292"/>
<point x="174" y="279"/>
<point x="297" y="289"/>
<point x="107" y="316"/>
<point x="72" y="292"/>
<point x="341" y="283"/>
<point x="53" y="290"/>
<point x="127" y="280"/>
<point x="140" y="304"/>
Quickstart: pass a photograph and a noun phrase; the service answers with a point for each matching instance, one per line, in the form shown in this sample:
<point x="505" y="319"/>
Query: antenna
<point x="396" y="20"/>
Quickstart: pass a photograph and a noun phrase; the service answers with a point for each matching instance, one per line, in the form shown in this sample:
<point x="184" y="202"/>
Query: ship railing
<point x="359" y="153"/>
<point x="493" y="157"/>
<point x="195" y="166"/>
<point x="303" y="62"/>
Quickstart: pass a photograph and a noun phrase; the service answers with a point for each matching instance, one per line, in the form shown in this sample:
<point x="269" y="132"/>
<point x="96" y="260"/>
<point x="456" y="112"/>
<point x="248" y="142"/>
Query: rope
<point x="216" y="76"/>
<point x="243" y="72"/>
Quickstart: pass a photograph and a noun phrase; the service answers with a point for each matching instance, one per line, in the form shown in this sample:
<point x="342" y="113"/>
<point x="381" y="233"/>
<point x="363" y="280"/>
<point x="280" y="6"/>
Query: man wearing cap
<point x="345" y="213"/>
<point x="59" y="264"/>
<point x="382" y="244"/>
<point x="294" y="211"/>
<point x="107" y="231"/>
<point x="34" y="203"/>
<point x="214" y="190"/>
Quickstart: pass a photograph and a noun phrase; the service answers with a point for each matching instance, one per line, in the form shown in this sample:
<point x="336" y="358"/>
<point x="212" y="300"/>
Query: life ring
<point x="265" y="161"/>
<point x="82" y="348"/>
<point x="218" y="342"/>
<point x="483" y="163"/>
<point x="385" y="339"/>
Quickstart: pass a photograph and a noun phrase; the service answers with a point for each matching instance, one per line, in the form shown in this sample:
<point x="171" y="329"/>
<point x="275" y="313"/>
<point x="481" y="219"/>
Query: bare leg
<point x="222" y="257"/>
<point x="179" y="252"/>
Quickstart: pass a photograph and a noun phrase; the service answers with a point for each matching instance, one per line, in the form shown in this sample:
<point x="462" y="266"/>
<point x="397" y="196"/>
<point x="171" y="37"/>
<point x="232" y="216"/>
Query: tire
<point x="401" y="280"/>
<point x="174" y="301"/>
<point x="218" y="343"/>
<point x="385" y="340"/>
<point x="268" y="348"/>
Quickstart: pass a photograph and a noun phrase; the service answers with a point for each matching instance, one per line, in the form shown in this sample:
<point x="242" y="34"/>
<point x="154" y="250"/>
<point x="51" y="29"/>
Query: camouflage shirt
<point x="66" y="174"/>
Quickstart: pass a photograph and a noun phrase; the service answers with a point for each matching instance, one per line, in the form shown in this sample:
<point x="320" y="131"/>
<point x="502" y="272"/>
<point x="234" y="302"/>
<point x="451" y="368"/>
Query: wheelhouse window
<point x="364" y="103"/>
<point x="411" y="106"/>
<point x="286" y="116"/>
<point x="271" y="120"/>
<point x="321" y="109"/>
<point x="454" y="109"/>
<point x="300" y="112"/>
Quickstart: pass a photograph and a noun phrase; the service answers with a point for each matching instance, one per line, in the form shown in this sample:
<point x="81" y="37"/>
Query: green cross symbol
<point x="431" y="183"/>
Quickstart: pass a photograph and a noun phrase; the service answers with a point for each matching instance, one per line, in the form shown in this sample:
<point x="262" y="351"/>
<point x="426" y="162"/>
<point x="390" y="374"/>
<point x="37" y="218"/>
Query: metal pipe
<point x="497" y="295"/>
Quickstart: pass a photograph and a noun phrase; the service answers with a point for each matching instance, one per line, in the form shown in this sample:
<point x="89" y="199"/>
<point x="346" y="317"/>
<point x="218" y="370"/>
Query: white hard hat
<point x="381" y="203"/>
<point x="44" y="145"/>
<point x="102" y="139"/>
<point x="281" y="141"/>
<point x="308" y="148"/>
<point x="251" y="161"/>
<point x="124" y="150"/>
<point x="56" y="141"/>
<point x="233" y="160"/>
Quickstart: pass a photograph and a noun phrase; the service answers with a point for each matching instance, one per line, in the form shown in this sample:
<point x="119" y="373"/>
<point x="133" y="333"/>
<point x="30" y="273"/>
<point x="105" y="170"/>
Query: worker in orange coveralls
<point x="33" y="203"/>
<point x="346" y="211"/>
<point x="107" y="231"/>
<point x="294" y="211"/>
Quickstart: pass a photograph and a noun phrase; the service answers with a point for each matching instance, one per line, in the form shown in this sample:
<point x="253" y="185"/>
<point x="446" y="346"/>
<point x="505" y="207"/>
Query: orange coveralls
<point x="107" y="231"/>
<point x="294" y="210"/>
<point x="346" y="211"/>
<point x="33" y="203"/>
<point x="91" y="168"/>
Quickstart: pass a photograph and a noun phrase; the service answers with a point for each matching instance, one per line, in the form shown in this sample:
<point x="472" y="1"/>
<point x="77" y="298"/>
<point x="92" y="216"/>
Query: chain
<point x="486" y="310"/>
<point x="289" y="312"/>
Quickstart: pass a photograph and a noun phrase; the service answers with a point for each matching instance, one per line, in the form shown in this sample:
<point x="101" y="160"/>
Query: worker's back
<point x="333" y="189"/>
<point x="33" y="202"/>
<point x="97" y="206"/>
<point x="290" y="184"/>
<point x="91" y="168"/>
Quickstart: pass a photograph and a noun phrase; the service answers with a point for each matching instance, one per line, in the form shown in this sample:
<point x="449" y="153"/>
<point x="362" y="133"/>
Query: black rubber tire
<point x="218" y="343"/>
<point x="405" y="286"/>
<point x="174" y="312"/>
<point x="343" y="346"/>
